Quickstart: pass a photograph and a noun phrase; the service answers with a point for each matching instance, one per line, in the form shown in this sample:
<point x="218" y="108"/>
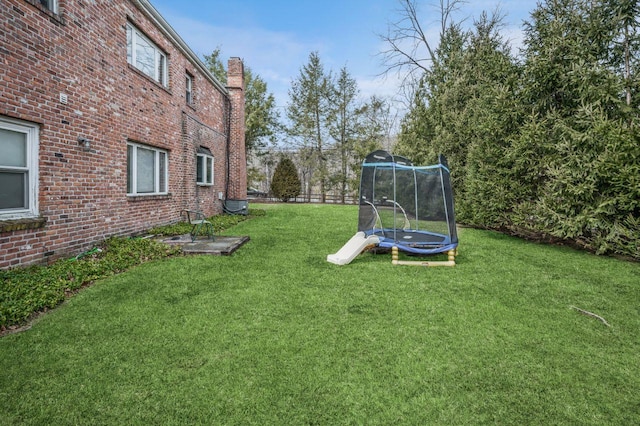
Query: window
<point x="147" y="170"/>
<point x="52" y="5"/>
<point x="204" y="167"/>
<point x="189" y="89"/>
<point x="146" y="56"/>
<point x="18" y="169"/>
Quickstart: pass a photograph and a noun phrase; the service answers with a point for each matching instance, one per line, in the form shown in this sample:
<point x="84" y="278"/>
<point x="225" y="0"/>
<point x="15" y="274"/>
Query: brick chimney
<point x="236" y="197"/>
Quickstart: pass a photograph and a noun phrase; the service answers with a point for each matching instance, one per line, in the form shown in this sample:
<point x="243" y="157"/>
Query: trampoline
<point x="406" y="206"/>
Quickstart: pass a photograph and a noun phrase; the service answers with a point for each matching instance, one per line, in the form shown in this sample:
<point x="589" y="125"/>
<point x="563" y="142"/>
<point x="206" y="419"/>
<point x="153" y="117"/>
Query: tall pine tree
<point x="309" y="112"/>
<point x="579" y="145"/>
<point x="344" y="126"/>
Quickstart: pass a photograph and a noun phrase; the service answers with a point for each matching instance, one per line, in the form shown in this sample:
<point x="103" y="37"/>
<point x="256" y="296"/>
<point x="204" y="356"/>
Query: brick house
<point x="109" y="125"/>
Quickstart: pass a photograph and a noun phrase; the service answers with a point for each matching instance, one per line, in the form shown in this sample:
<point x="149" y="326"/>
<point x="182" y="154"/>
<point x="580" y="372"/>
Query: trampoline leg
<point x="451" y="262"/>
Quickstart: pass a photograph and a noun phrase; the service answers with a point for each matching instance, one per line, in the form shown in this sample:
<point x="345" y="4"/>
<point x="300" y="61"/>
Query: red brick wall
<point x="237" y="155"/>
<point x="82" y="53"/>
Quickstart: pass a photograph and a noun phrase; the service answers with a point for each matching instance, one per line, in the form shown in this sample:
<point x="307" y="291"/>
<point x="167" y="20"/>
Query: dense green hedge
<point x="546" y="145"/>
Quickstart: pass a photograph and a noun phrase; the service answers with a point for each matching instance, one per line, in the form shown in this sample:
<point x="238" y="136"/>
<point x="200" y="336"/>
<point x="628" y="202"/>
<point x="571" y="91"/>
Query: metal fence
<point x="314" y="198"/>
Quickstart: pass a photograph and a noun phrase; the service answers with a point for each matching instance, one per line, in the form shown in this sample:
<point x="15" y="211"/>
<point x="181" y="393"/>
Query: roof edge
<point x="175" y="38"/>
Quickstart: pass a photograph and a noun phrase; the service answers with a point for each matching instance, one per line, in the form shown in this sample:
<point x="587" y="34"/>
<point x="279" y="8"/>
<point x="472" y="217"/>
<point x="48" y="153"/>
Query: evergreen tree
<point x="374" y="125"/>
<point x="493" y="119"/>
<point x="344" y="126"/>
<point x="216" y="66"/>
<point x="331" y="129"/>
<point x="285" y="183"/>
<point x="261" y="116"/>
<point x="548" y="147"/>
<point x="309" y="111"/>
<point x="577" y="147"/>
<point x="625" y="15"/>
<point x="433" y="123"/>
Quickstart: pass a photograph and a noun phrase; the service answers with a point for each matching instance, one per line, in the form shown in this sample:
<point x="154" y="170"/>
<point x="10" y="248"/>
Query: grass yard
<point x="275" y="335"/>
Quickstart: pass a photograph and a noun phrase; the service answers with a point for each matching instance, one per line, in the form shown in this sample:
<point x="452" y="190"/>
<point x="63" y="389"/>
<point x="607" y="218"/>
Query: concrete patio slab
<point x="221" y="246"/>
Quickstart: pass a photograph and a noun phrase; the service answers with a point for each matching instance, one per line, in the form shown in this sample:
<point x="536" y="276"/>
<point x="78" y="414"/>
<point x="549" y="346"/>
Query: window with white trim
<point x="204" y="167"/>
<point x="52" y="5"/>
<point x="143" y="54"/>
<point x="147" y="170"/>
<point x="189" y="89"/>
<point x="18" y="169"/>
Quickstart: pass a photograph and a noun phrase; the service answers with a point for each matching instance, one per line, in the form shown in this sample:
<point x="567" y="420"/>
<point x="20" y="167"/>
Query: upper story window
<point x="143" y="54"/>
<point x="204" y="167"/>
<point x="147" y="170"/>
<point x="189" y="89"/>
<point x="52" y="5"/>
<point x="18" y="169"/>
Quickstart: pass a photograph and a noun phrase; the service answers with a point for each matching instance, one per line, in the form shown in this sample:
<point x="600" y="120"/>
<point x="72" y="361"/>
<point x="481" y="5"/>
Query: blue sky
<point x="275" y="37"/>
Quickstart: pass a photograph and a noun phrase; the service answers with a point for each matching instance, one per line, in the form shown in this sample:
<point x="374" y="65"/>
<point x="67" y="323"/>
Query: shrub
<point x="38" y="288"/>
<point x="285" y="183"/>
<point x="26" y="291"/>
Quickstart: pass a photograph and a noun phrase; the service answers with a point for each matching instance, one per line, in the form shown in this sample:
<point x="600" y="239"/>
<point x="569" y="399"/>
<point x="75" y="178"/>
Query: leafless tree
<point x="409" y="48"/>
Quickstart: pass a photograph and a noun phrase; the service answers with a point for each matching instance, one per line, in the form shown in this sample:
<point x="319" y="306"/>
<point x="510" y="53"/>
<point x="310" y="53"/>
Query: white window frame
<point x="206" y="163"/>
<point x="51" y="5"/>
<point x="160" y="178"/>
<point x="160" y="66"/>
<point x="189" y="89"/>
<point x="32" y="132"/>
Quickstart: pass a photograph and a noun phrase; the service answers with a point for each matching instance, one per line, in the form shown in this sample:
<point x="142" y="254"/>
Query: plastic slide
<point x="352" y="248"/>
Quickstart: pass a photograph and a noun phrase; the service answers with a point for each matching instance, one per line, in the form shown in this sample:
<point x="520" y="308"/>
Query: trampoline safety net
<point x="408" y="206"/>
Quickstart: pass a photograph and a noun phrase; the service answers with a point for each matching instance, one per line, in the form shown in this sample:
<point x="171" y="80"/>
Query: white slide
<point x="352" y="248"/>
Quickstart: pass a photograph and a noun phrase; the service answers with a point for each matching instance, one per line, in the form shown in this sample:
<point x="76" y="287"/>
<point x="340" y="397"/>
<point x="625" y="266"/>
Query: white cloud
<point x="380" y="86"/>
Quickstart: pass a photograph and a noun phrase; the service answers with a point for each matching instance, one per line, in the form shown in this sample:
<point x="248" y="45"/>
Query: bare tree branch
<point x="409" y="48"/>
<point x="591" y="314"/>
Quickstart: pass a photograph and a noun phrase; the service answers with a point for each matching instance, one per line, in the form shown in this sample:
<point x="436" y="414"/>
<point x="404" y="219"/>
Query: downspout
<point x="227" y="123"/>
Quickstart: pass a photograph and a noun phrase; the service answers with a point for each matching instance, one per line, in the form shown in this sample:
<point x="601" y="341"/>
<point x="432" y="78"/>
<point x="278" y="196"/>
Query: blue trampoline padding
<point x="388" y="243"/>
<point x="416" y="242"/>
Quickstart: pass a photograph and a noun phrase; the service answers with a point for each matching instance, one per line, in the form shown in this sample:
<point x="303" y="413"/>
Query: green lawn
<point x="275" y="335"/>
